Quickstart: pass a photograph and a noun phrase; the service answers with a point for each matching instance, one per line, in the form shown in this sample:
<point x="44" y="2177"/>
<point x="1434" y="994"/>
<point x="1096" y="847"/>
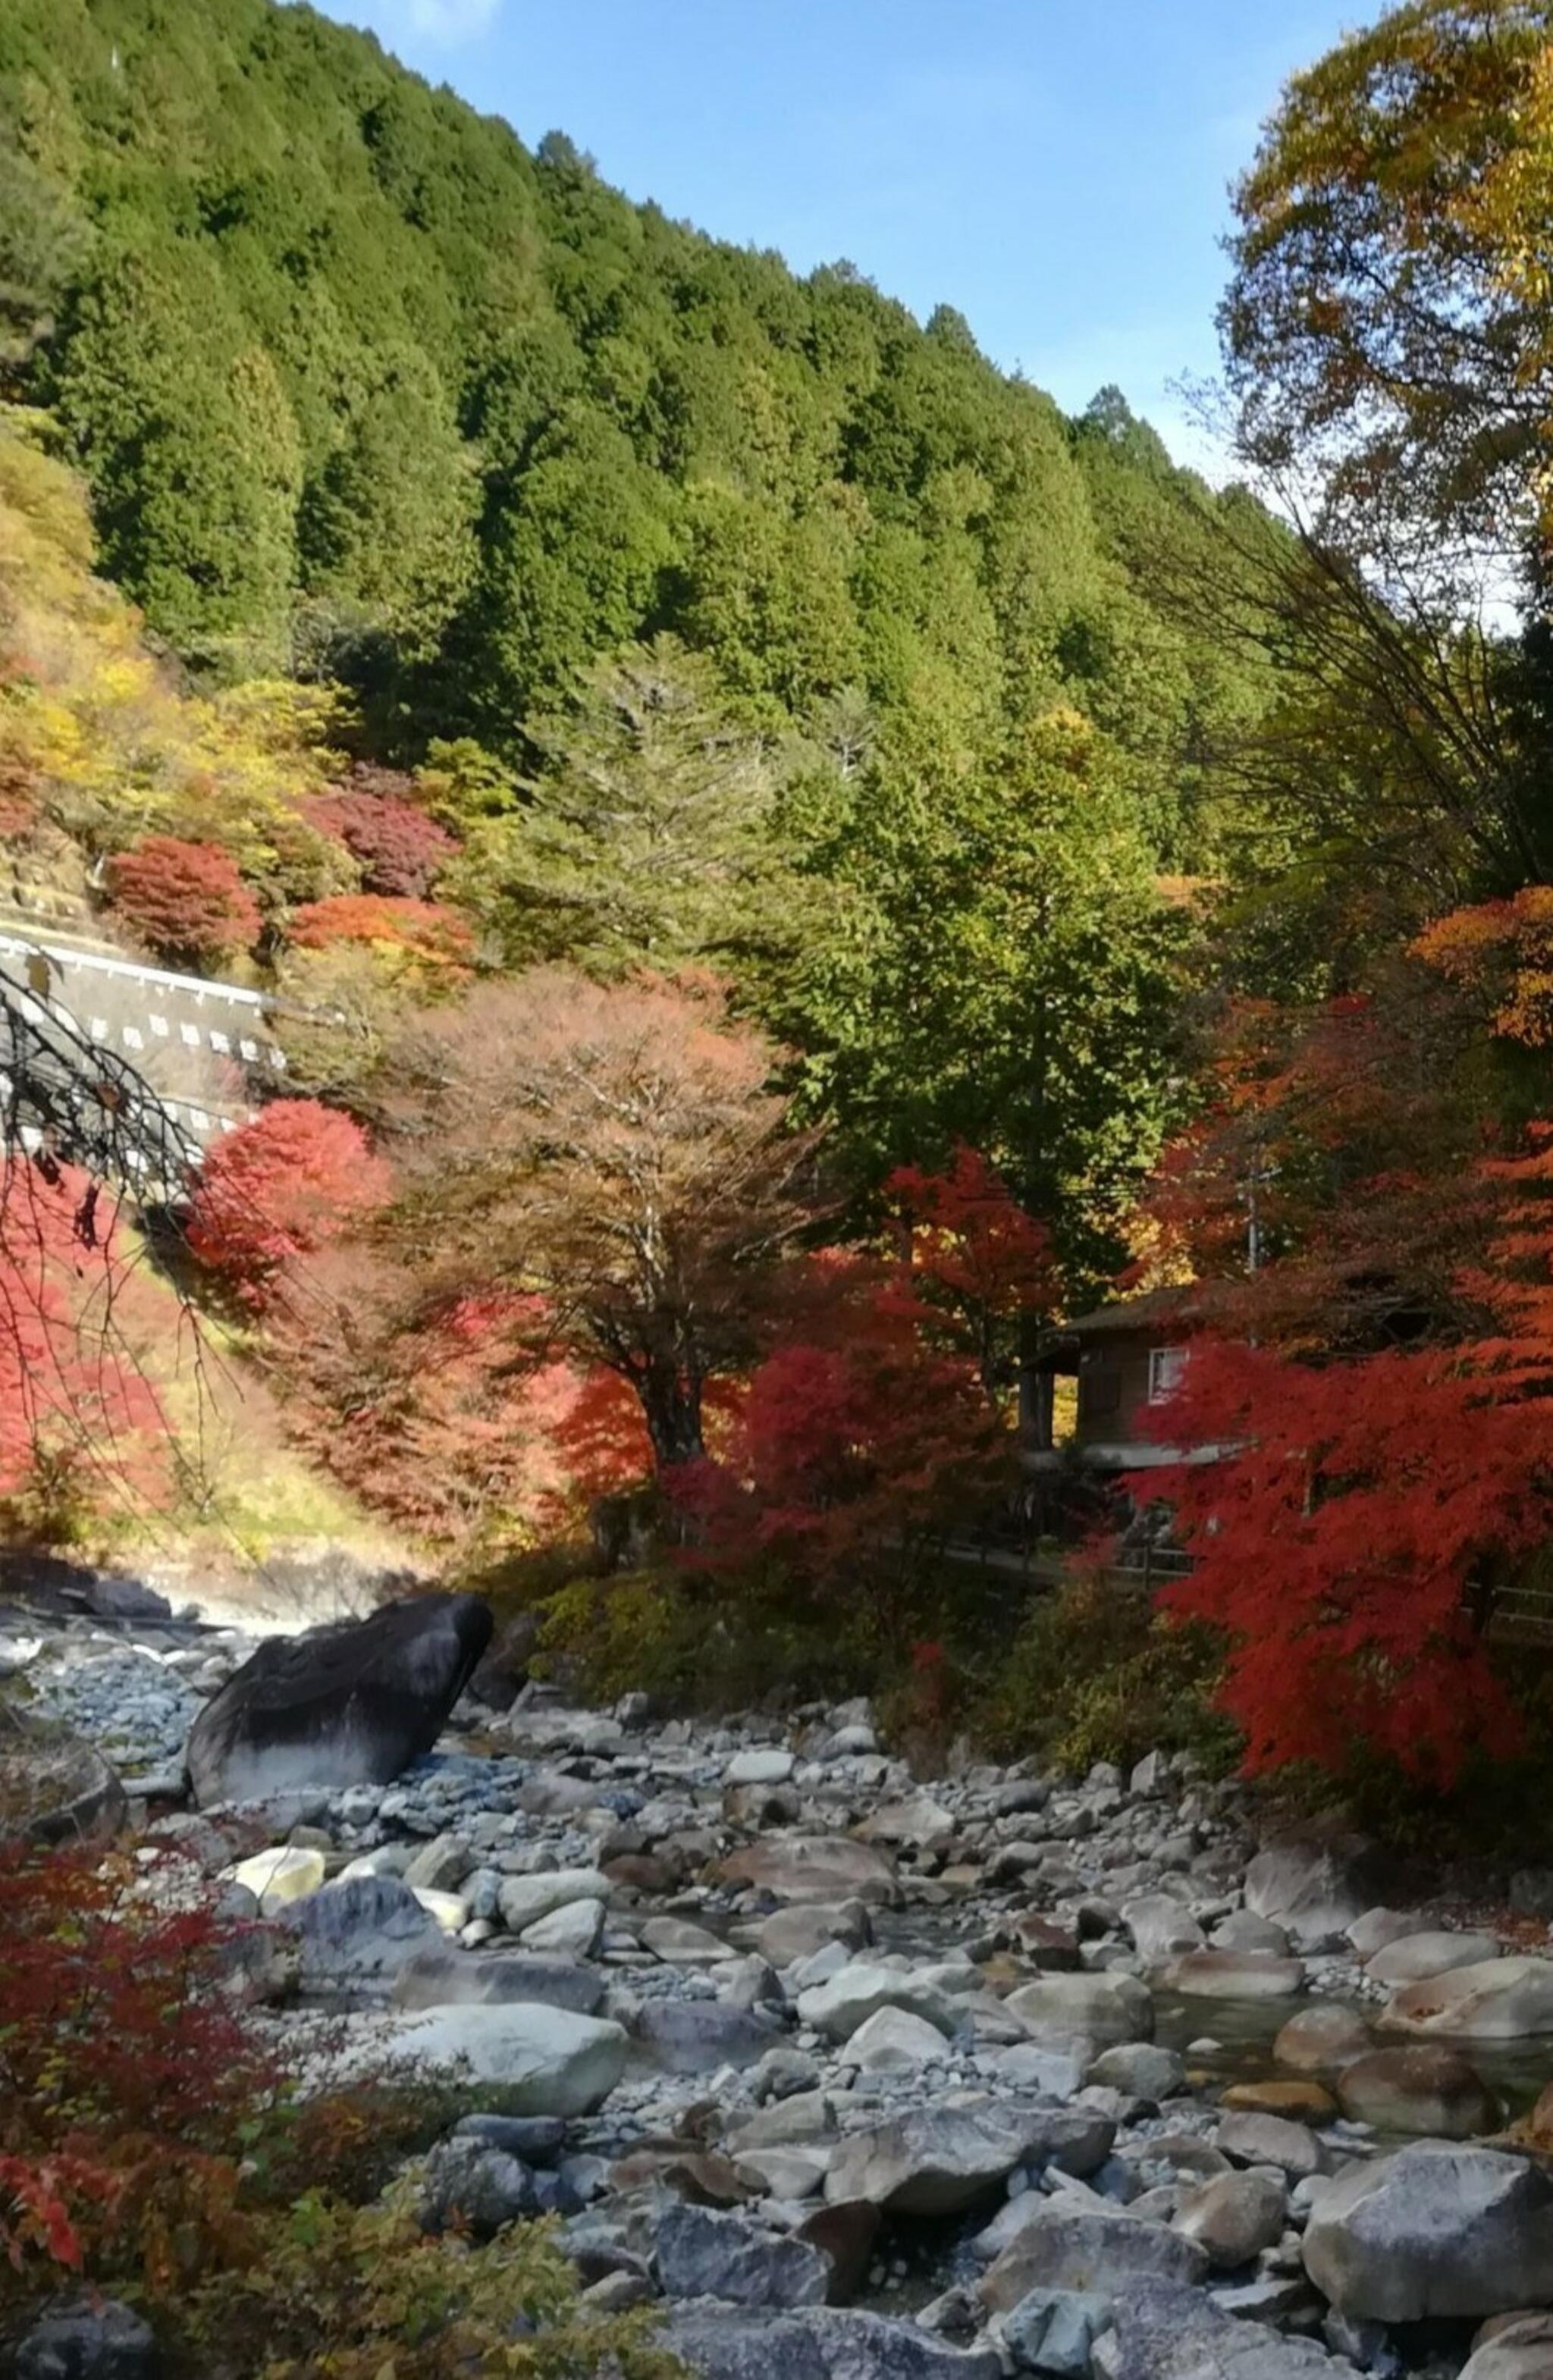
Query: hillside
<point x="362" y="386"/>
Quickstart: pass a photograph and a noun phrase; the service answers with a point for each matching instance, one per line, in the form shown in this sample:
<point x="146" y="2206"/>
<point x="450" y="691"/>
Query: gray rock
<point x="1515" y="2347"/>
<point x="939" y="2159"/>
<point x="363" y="1930"/>
<point x="1501" y="1999"/>
<point x="702" y="2254"/>
<point x="1101" y="2008"/>
<point x="1315" y="1882"/>
<point x="103" y="2340"/>
<point x="1160" y="1927"/>
<point x="1163" y="2331"/>
<point x="1379" y="1926"/>
<point x="54" y="1787"/>
<point x="918" y="1821"/>
<point x="818" y="2344"/>
<point x="698" y="2036"/>
<point x="860" y="1990"/>
<point x="1104" y="2251"/>
<point x="1435" y="2229"/>
<point x="537" y="2140"/>
<point x="1232" y="1975"/>
<point x="815" y="1867"/>
<point x="789" y="1934"/>
<point x="545" y="2060"/>
<point x="469" y="2183"/>
<point x="447" y="1978"/>
<point x="1413" y="1958"/>
<point x="1249" y="2139"/>
<point x="573" y="1931"/>
<point x="440" y="1866"/>
<point x="524" y="1900"/>
<point x="351" y="1704"/>
<point x="681" y="1944"/>
<point x="1320" y="2040"/>
<point x="1139" y="2068"/>
<point x="1054" y="2331"/>
<point x="893" y="2038"/>
<point x="759" y="1767"/>
<point x="1243" y="1930"/>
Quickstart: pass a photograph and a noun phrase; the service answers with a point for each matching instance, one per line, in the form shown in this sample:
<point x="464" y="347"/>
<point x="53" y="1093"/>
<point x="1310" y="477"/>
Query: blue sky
<point x="1057" y="169"/>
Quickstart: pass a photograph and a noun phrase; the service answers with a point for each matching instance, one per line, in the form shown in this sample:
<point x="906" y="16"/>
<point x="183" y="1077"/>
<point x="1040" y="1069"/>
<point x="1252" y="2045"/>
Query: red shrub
<point x="128" y="2080"/>
<point x="279" y="1187"/>
<point x="186" y="900"/>
<point x="398" y="847"/>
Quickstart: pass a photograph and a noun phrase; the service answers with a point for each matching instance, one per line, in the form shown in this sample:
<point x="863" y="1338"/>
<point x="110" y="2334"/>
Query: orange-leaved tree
<point x="616" y="1151"/>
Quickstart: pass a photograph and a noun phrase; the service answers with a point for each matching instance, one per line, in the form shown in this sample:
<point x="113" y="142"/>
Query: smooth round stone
<point x="1424" y="2089"/>
<point x="1320" y="2040"/>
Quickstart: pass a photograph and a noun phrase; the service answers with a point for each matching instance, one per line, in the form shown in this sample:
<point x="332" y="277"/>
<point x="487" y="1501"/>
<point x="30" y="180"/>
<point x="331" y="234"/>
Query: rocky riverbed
<point x="865" y="2076"/>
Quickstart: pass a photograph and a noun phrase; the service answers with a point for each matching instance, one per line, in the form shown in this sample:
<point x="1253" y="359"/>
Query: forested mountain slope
<point x="360" y="385"/>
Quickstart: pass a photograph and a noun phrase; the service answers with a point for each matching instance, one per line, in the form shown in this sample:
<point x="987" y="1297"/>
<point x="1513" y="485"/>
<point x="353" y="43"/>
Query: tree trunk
<point x="671" y="1408"/>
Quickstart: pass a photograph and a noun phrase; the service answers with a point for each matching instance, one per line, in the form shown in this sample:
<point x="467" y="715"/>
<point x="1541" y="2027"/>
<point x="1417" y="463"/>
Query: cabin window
<point x="1166" y="1365"/>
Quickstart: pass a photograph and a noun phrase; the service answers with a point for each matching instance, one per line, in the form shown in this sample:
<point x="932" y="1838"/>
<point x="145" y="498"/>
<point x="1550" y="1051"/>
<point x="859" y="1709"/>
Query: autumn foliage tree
<point x="398" y="847"/>
<point x="975" y="1258"/>
<point x="184" y="901"/>
<point x="422" y="937"/>
<point x="852" y="1447"/>
<point x="451" y="1414"/>
<point x="1376" y="1392"/>
<point x="78" y="1419"/>
<point x="126" y="2076"/>
<point x="279" y="1188"/>
<point x="616" y="1151"/>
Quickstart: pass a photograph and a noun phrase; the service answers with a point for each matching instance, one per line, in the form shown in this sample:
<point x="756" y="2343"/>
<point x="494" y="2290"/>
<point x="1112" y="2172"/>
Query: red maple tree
<point x="974" y="1255"/>
<point x="279" y="1188"/>
<point x="1377" y="1389"/>
<point x="79" y="1418"/>
<point x="186" y="900"/>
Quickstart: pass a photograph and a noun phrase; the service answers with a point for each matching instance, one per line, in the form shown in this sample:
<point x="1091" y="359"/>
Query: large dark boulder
<point x="350" y="1704"/>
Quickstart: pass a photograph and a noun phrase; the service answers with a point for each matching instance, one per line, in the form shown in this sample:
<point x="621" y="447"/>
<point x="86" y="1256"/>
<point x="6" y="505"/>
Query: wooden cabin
<point x="1125" y="1359"/>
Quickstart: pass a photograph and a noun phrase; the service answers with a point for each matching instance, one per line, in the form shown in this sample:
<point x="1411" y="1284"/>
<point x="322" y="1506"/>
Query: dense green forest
<point x="359" y="382"/>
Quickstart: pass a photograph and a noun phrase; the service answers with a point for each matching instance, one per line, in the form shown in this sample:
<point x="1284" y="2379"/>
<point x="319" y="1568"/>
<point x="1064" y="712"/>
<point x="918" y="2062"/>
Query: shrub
<point x="127" y="2079"/>
<point x="356" y="2292"/>
<point x="186" y="900"/>
<point x="1096" y="1673"/>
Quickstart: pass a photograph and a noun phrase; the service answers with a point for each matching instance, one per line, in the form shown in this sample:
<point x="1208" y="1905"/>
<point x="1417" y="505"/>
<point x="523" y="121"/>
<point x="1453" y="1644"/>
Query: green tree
<point x="999" y="973"/>
<point x="648" y="832"/>
<point x="189" y="442"/>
